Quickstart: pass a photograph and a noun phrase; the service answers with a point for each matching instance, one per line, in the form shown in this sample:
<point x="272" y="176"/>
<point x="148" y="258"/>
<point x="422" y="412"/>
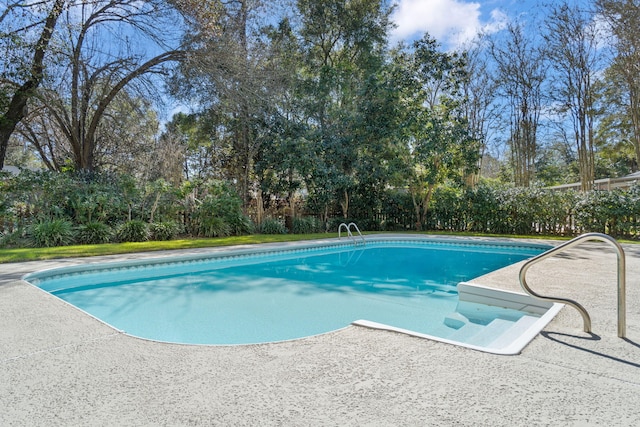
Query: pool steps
<point x="498" y="333"/>
<point x="478" y="329"/>
<point x="516" y="330"/>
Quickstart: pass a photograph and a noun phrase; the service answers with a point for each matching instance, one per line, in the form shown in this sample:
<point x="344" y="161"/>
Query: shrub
<point x="133" y="231"/>
<point x="220" y="213"/>
<point x="14" y="239"/>
<point x="307" y="225"/>
<point x="213" y="226"/>
<point x="238" y="223"/>
<point x="94" y="233"/>
<point x="272" y="226"/>
<point x="165" y="230"/>
<point x="334" y="223"/>
<point x="48" y="233"/>
<point x="76" y="196"/>
<point x="368" y="224"/>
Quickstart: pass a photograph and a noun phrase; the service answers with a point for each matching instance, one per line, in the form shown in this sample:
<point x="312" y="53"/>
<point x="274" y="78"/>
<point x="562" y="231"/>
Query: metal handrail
<point x="622" y="321"/>
<point x="340" y="228"/>
<point x="348" y="228"/>
<point x="358" y="230"/>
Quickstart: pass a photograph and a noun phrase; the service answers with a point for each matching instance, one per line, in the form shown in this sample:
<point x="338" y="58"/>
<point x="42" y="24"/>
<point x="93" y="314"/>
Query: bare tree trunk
<point x="634" y="103"/>
<point x="344" y="204"/>
<point x="425" y="203"/>
<point x="416" y="208"/>
<point x="572" y="40"/>
<point x="259" y="207"/>
<point x="521" y="73"/>
<point x="16" y="110"/>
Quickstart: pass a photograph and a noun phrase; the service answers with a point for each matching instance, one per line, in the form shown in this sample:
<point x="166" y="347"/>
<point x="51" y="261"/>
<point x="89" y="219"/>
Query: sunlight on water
<point x="295" y="294"/>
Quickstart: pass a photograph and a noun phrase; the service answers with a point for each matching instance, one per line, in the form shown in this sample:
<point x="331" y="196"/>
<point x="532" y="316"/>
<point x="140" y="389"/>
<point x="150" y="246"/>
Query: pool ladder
<point x="622" y="321"/>
<point x="348" y="228"/>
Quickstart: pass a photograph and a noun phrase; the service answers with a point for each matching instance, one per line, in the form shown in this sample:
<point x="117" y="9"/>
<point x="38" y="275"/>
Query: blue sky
<point x="452" y="22"/>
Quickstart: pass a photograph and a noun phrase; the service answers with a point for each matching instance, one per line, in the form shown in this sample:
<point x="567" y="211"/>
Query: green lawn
<point x="35" y="254"/>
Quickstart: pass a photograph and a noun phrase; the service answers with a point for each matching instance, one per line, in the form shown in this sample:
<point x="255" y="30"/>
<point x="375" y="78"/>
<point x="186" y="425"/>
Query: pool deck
<point x="59" y="366"/>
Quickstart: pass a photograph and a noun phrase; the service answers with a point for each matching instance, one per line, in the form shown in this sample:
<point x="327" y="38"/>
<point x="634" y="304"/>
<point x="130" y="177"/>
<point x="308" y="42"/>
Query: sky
<point x="452" y="22"/>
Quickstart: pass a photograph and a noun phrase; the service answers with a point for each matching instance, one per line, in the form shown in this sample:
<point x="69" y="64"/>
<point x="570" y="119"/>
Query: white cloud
<point x="451" y="22"/>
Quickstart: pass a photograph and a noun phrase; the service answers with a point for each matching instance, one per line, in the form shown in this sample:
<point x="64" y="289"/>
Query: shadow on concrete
<point x="592" y="337"/>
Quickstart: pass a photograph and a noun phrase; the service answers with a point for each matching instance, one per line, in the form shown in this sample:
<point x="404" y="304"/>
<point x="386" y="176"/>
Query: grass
<point x="38" y="254"/>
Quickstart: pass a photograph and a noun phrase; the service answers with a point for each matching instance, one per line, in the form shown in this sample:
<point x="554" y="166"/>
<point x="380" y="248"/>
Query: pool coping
<point x="238" y="252"/>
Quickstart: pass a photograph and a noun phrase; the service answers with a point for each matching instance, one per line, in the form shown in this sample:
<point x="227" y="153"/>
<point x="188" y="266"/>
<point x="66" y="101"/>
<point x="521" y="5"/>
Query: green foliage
<point x="213" y="226"/>
<point x="30" y="216"/>
<point x="439" y="146"/>
<point x="14" y="239"/>
<point x="49" y="233"/>
<point x="272" y="226"/>
<point x="614" y="212"/>
<point x="507" y="210"/>
<point x="307" y="225"/>
<point x="239" y="223"/>
<point x="220" y="213"/>
<point x="94" y="233"/>
<point x="446" y="208"/>
<point x="78" y="197"/>
<point x="343" y="98"/>
<point x="159" y="200"/>
<point x="95" y="203"/>
<point x="95" y="197"/>
<point x="397" y="211"/>
<point x="132" y="231"/>
<point x="165" y="230"/>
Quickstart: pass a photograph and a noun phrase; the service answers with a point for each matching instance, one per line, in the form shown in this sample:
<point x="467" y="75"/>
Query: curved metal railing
<point x="622" y="321"/>
<point x="348" y="228"/>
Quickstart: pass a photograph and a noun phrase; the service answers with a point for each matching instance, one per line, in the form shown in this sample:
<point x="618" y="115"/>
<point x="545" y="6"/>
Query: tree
<point x="226" y="74"/>
<point x="38" y="131"/>
<point x="282" y="159"/>
<point x="126" y="135"/>
<point x="343" y="45"/>
<point x="623" y="18"/>
<point x="520" y="73"/>
<point x="615" y="134"/>
<point x="480" y="109"/>
<point x="90" y="76"/>
<point x="572" y="44"/>
<point x="17" y="85"/>
<point x="194" y="137"/>
<point x="245" y="82"/>
<point x="439" y="142"/>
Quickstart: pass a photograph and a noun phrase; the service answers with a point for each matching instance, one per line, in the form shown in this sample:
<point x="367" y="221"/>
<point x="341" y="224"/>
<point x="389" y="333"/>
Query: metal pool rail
<point x="622" y="321"/>
<point x="348" y="228"/>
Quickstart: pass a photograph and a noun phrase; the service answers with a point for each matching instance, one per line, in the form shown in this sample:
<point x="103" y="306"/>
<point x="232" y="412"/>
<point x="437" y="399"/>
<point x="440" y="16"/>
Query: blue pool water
<point x="265" y="296"/>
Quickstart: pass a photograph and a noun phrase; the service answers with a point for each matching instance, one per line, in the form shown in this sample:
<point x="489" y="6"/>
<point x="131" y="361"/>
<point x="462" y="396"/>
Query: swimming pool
<point x="256" y="295"/>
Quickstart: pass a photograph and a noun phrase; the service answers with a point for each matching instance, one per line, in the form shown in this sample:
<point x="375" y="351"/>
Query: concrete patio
<point x="59" y="366"/>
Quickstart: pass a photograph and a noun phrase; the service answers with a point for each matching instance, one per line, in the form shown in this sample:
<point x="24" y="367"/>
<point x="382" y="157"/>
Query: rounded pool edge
<point x="168" y="257"/>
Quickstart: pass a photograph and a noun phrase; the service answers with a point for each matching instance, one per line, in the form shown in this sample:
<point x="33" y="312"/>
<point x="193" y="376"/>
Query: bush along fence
<point x="48" y="209"/>
<point x="501" y="210"/>
<point x="54" y="209"/>
<point x="537" y="212"/>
